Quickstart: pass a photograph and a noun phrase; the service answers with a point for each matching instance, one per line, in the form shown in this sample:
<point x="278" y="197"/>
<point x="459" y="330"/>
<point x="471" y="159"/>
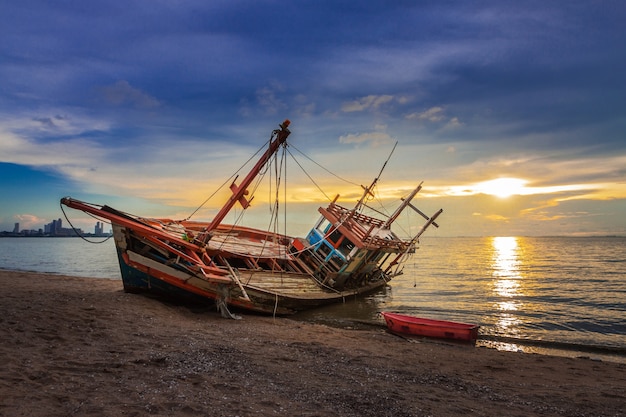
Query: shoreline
<point x="82" y="346"/>
<point x="551" y="348"/>
<point x="502" y="343"/>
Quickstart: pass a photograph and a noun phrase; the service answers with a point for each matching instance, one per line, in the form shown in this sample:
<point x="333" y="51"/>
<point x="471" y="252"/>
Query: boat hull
<point x="260" y="291"/>
<point x="440" y="329"/>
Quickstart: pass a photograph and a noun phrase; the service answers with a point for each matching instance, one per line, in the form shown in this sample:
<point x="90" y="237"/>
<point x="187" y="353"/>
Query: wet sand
<point x="81" y="346"/>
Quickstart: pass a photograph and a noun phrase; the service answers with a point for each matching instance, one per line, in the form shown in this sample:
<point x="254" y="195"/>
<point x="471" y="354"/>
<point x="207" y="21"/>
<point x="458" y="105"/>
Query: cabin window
<point x="334" y="237"/>
<point x="346" y="246"/>
<point x="324" y="226"/>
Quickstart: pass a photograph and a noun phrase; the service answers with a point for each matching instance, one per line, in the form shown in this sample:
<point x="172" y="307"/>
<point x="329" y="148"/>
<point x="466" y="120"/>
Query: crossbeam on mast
<point x="279" y="137"/>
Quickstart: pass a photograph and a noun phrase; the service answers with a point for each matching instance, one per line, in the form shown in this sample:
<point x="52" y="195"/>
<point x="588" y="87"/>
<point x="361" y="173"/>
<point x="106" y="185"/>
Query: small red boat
<point x="442" y="329"/>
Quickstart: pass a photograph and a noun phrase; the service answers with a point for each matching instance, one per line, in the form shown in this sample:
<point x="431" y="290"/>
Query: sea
<point x="562" y="296"/>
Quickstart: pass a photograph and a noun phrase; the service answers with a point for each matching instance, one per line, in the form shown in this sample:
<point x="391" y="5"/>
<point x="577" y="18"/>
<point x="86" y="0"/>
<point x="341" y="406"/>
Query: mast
<point x="406" y="202"/>
<point x="368" y="190"/>
<point x="279" y="137"/>
<point x="430" y="221"/>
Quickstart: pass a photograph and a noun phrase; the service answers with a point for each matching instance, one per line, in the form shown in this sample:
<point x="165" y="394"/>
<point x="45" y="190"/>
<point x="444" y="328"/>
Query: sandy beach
<point x="81" y="346"/>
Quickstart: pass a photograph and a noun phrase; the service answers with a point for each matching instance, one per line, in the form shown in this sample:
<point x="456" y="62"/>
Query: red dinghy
<point x="442" y="329"/>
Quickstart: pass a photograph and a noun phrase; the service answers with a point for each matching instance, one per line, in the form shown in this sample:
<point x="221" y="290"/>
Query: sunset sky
<point x="512" y="113"/>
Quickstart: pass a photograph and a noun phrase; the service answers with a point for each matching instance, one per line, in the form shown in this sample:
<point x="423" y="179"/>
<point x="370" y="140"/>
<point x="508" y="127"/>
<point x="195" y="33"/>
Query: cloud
<point x="496" y="218"/>
<point x="371" y="102"/>
<point x="129" y="168"/>
<point x="24" y="151"/>
<point x="434" y="115"/>
<point x="453" y="123"/>
<point x="66" y="122"/>
<point x="374" y="139"/>
<point x="29" y="221"/>
<point x="48" y="122"/>
<point x="268" y="100"/>
<point x="122" y="93"/>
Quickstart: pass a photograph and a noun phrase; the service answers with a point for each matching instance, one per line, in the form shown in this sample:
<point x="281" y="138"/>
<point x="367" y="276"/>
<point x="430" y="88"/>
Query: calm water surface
<point x="527" y="294"/>
<point x="67" y="256"/>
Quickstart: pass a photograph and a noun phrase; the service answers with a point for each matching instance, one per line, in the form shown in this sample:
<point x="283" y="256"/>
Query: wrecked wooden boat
<point x="346" y="252"/>
<point x="441" y="329"/>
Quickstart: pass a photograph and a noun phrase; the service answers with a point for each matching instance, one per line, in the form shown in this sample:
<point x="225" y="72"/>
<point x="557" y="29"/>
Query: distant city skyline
<point x="55" y="228"/>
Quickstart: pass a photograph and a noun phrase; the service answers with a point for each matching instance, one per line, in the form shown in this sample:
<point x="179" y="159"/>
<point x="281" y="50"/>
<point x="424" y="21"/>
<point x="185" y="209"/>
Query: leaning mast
<point x="279" y="137"/>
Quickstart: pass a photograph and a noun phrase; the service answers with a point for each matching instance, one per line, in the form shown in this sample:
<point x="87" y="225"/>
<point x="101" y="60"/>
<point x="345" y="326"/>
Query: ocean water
<point x="557" y="295"/>
<point x="62" y="255"/>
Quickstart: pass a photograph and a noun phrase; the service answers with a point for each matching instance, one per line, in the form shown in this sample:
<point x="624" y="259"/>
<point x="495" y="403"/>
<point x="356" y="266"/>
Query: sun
<point x="502" y="187"/>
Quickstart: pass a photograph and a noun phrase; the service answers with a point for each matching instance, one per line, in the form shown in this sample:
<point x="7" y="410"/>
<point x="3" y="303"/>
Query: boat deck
<point x="288" y="284"/>
<point x="247" y="247"/>
<point x="297" y="286"/>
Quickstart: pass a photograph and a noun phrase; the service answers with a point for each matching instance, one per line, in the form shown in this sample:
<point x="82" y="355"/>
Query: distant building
<point x="16" y="228"/>
<point x="56" y="229"/>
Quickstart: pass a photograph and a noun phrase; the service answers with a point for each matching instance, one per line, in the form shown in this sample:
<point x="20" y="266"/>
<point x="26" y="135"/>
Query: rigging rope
<point x="295" y="160"/>
<point x="307" y="174"/>
<point x="76" y="230"/>
<point x="226" y="182"/>
<point x="324" y="168"/>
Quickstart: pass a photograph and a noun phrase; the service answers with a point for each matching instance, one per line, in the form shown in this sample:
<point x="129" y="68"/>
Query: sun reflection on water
<point x="506" y="271"/>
